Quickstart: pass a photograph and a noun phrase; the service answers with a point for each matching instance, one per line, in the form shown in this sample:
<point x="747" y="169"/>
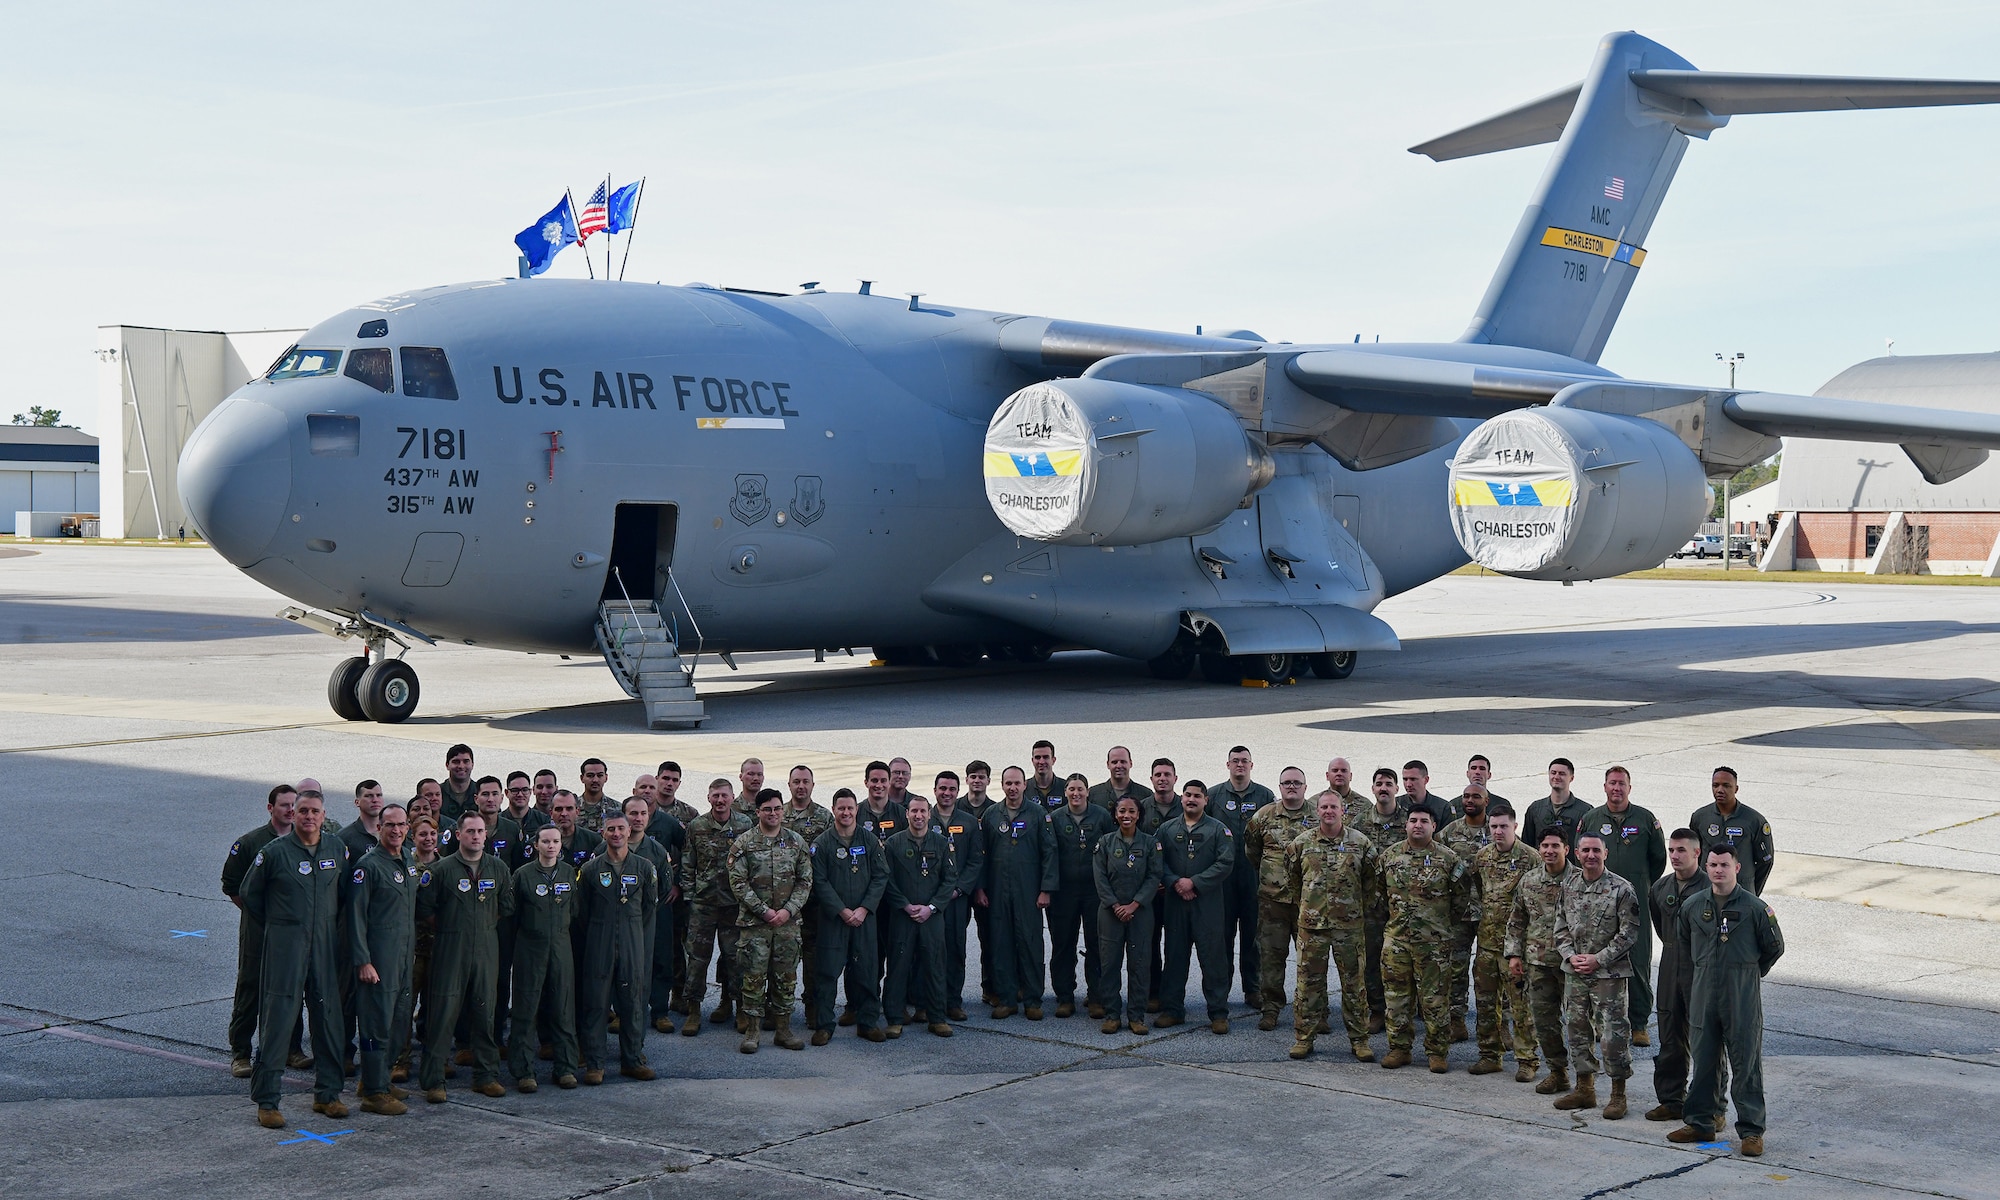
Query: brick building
<point x="1863" y="506"/>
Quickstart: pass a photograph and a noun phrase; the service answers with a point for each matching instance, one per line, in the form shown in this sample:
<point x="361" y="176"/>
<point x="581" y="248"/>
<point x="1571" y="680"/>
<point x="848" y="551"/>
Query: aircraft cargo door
<point x="642" y="551"/>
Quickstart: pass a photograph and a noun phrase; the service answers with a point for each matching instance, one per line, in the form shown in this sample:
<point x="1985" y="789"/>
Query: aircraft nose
<point x="236" y="476"/>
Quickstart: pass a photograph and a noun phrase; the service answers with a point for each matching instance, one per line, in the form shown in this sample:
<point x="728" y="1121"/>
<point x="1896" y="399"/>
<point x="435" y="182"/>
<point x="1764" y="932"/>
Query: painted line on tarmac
<point x="1930" y="891"/>
<point x="64" y="1031"/>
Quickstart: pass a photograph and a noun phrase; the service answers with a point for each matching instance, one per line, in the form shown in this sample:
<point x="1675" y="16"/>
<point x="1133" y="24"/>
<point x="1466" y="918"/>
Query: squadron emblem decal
<point x="752" y="501"/>
<point x="808" y="499"/>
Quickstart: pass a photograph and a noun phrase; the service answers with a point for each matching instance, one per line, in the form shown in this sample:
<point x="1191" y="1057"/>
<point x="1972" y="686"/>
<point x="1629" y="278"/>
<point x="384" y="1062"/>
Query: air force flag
<point x="542" y="241"/>
<point x="623" y="210"/>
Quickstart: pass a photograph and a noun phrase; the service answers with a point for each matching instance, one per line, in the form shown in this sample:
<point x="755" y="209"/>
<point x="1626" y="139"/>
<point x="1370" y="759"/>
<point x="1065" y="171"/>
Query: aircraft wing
<point x="1943" y="443"/>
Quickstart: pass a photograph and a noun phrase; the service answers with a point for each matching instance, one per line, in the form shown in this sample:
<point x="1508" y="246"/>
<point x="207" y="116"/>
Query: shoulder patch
<point x="259" y="860"/>
<point x="360" y="876"/>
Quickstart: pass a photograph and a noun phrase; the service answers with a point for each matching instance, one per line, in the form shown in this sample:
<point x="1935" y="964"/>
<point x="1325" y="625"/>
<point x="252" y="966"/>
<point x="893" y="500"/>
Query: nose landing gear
<point x="369" y="686"/>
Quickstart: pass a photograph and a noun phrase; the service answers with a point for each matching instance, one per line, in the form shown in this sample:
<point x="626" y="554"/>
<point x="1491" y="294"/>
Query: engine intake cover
<point x="1563" y="493"/>
<point x="1085" y="462"/>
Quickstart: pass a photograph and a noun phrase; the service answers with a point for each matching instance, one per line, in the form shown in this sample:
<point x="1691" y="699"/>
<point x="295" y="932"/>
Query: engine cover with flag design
<point x="1562" y="493"/>
<point x="1095" y="462"/>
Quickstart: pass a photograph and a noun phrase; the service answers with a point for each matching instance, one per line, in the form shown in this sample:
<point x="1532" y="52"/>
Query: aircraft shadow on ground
<point x="1551" y="682"/>
<point x="1878" y="735"/>
<point x="39" y="621"/>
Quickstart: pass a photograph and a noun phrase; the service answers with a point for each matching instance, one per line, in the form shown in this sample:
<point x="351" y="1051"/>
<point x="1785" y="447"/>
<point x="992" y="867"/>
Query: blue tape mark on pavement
<point x="181" y="933"/>
<point x="1712" y="1146"/>
<point x="307" y="1135"/>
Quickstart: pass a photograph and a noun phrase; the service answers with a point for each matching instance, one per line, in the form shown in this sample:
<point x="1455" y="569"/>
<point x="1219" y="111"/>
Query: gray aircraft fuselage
<point x="833" y="441"/>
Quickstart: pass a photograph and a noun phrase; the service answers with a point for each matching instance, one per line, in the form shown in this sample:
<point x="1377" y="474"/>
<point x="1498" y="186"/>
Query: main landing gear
<point x="1185" y="655"/>
<point x="369" y="686"/>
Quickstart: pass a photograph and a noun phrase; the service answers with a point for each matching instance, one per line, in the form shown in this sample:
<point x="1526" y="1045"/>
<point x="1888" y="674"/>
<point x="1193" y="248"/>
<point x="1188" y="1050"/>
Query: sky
<point x="1235" y="164"/>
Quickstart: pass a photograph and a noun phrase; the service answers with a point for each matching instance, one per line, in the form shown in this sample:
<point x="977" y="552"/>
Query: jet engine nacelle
<point x="1094" y="462"/>
<point x="1564" y="493"/>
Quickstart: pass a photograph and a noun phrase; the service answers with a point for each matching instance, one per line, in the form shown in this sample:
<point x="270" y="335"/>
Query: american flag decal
<point x="1614" y="188"/>
<point x="592" y="219"/>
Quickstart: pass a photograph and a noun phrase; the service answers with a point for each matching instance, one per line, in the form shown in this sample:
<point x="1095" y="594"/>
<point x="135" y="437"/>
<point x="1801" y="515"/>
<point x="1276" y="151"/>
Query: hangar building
<point x="154" y="386"/>
<point x="1862" y="506"/>
<point x="46" y="471"/>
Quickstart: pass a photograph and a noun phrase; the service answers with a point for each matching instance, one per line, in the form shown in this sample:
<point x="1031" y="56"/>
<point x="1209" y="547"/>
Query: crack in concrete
<point x="137" y="887"/>
<point x="1629" y="1184"/>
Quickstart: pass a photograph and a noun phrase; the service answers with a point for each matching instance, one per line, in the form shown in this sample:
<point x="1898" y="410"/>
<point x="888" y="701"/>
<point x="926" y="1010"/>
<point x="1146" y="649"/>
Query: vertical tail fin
<point x="1573" y="258"/>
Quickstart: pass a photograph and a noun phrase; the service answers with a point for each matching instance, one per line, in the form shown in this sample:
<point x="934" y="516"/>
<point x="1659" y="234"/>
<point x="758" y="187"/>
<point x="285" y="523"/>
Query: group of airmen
<point x="488" y="917"/>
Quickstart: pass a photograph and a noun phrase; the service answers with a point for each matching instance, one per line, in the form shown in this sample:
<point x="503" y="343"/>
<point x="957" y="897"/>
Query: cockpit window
<point x="300" y="364"/>
<point x="426" y="374"/>
<point x="371" y="366"/>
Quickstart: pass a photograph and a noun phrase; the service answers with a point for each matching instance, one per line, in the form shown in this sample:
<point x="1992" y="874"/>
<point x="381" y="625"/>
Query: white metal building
<point x="45" y="470"/>
<point x="154" y="387"/>
<point x="1863" y="506"/>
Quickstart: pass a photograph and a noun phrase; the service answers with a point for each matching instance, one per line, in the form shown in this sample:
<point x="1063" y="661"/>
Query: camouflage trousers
<point x="1414" y="975"/>
<point x="1595" y="1016"/>
<point x="1545" y="1003"/>
<point x="1461" y="967"/>
<point x="707" y="925"/>
<point x="1276" y="925"/>
<point x="1502" y="1002"/>
<point x="1348" y="948"/>
<point x="767" y="959"/>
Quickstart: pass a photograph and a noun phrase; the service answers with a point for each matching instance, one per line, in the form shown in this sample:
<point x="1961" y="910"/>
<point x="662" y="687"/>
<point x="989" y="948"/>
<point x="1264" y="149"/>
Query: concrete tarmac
<point x="148" y="698"/>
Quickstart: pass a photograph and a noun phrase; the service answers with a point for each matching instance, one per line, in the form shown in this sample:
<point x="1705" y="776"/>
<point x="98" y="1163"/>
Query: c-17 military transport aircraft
<point x="653" y="472"/>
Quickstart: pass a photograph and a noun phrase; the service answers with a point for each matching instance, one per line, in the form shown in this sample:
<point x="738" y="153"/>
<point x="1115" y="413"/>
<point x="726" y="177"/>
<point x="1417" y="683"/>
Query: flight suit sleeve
<point x="1152" y="886"/>
<point x="822" y="884"/>
<point x="507" y="905"/>
<point x="1100" y="873"/>
<point x="234" y="866"/>
<point x="972" y="876"/>
<point x="252" y="890"/>
<point x="427" y="898"/>
<point x="1565" y="937"/>
<point x="878" y="875"/>
<point x="1169" y="875"/>
<point x="354" y="917"/>
<point x="1770" y="942"/>
<point x="1217" y="873"/>
<point x="1628" y="929"/>
<point x="1051" y="869"/>
<point x="1766" y="850"/>
<point x="1517" y="926"/>
<point x="1253" y="839"/>
<point x="1656" y="853"/>
<point x="1657" y="912"/>
<point x="892" y="892"/>
<point x="947" y="879"/>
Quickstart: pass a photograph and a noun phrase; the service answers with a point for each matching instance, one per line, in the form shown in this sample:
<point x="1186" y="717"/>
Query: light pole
<point x="1727" y="538"/>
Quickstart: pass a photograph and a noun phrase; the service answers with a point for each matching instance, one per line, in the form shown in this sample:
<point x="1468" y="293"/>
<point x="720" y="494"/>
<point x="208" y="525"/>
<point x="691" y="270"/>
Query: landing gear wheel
<point x="960" y="655"/>
<point x="1177" y="663"/>
<point x="342" y="689"/>
<point x="1033" y="652"/>
<point x="1271" y="668"/>
<point x="1220" y="668"/>
<point x="1334" y="664"/>
<point x="388" y="691"/>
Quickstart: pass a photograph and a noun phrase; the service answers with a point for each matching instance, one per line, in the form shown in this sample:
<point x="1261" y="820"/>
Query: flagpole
<point x="607" y="235"/>
<point x="577" y="222"/>
<point x="629" y="229"/>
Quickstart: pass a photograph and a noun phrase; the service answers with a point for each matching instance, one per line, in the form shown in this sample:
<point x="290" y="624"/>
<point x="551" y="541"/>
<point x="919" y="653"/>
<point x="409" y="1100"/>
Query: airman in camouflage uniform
<point x="713" y="919"/>
<point x="808" y="818"/>
<point x="1466" y="835"/>
<point x="1428" y="894"/>
<point x="770" y="874"/>
<point x="1497" y="870"/>
<point x="1331" y="870"/>
<point x="1532" y="957"/>
<point x="1266" y="835"/>
<point x="1597" y="920"/>
<point x="1382" y="822"/>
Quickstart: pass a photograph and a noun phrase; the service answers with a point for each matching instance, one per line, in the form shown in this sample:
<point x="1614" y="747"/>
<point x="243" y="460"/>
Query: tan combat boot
<point x="1459" y="1033"/>
<point x="1439" y="1064"/>
<point x="1485" y="1066"/>
<point x="1111" y="1025"/>
<point x="1615" y="1108"/>
<point x="1396" y="1058"/>
<point x="1583" y="1095"/>
<point x="1664" y="1111"/>
<point x="1301" y="1047"/>
<point x="1558" y="1081"/>
<point x="724" y="1013"/>
<point x="749" y="1043"/>
<point x="783" y="1035"/>
<point x="1268" y="1021"/>
<point x="240" y="1066"/>
<point x="1363" y="1052"/>
<point x="331" y="1108"/>
<point x="940" y="1029"/>
<point x="270" y="1118"/>
<point x="1524" y="1072"/>
<point x="822" y="1036"/>
<point x="1753" y="1145"/>
<point x="642" y="1073"/>
<point x="382" y="1104"/>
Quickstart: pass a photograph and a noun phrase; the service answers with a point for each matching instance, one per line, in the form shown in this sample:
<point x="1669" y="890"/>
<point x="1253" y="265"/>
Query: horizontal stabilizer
<point x="1860" y="420"/>
<point x="1721" y="93"/>
<point x="1731" y="93"/>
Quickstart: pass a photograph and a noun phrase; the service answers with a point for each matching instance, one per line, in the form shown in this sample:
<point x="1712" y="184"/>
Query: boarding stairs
<point x="645" y="657"/>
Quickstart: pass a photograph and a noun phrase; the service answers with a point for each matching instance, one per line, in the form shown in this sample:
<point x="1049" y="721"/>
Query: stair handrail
<point x="700" y="641"/>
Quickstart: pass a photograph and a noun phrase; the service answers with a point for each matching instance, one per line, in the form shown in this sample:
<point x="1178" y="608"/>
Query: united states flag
<point x="592" y="219"/>
<point x="1614" y="188"/>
